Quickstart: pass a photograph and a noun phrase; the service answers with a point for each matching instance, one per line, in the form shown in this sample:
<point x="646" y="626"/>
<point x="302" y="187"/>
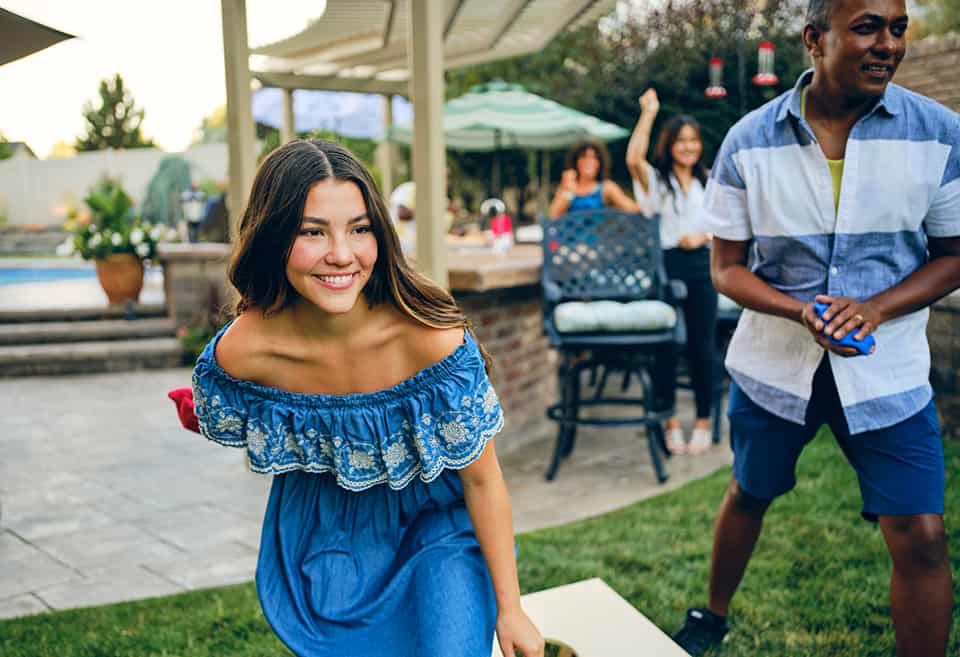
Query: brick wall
<point x="509" y="325"/>
<point x="932" y="68"/>
<point x="943" y="332"/>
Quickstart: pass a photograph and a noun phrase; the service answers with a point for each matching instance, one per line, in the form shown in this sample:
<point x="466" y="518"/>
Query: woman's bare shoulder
<point x="241" y="350"/>
<point x="427" y="345"/>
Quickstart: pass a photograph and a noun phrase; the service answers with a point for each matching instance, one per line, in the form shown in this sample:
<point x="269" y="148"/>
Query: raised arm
<point x="489" y="506"/>
<point x="564" y="194"/>
<point x="640" y="139"/>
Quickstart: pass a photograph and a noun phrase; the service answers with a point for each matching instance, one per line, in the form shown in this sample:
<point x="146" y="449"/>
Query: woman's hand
<point x="649" y="101"/>
<point x="843" y="316"/>
<point x="518" y="635"/>
<point x="568" y="181"/>
<point x="693" y="241"/>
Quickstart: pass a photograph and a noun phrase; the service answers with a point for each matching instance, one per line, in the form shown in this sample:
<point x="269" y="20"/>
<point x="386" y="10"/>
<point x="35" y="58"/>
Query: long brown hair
<point x="272" y="220"/>
<point x="574" y="154"/>
<point x="663" y="153"/>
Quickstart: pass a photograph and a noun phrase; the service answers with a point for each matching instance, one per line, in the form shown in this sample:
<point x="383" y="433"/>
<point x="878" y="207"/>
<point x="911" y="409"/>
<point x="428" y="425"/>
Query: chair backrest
<point x="602" y="254"/>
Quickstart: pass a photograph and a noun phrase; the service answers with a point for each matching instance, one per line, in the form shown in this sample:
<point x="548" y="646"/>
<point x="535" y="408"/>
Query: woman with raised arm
<point x="672" y="186"/>
<point x="585" y="183"/>
<point x="360" y="386"/>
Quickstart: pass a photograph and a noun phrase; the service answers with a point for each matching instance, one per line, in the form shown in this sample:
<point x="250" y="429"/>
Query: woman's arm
<point x="640" y="139"/>
<point x="617" y="198"/>
<point x="565" y="193"/>
<point x="488" y="503"/>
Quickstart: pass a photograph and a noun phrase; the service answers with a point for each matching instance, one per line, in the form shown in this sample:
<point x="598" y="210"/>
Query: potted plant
<point x="115" y="238"/>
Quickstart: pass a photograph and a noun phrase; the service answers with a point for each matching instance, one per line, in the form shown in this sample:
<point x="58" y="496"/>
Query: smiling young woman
<point x="359" y="384"/>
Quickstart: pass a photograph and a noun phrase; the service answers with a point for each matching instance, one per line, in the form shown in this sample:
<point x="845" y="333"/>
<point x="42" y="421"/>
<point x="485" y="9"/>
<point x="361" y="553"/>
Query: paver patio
<point x="105" y="498"/>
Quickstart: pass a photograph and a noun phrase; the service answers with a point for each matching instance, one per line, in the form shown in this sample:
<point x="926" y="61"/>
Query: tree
<point x="114" y="122"/>
<point x="939" y="16"/>
<point x="5" y="149"/>
<point x="603" y="69"/>
<point x="213" y="128"/>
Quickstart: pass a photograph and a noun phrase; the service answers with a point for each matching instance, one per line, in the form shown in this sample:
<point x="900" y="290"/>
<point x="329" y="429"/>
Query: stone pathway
<point x="105" y="498"/>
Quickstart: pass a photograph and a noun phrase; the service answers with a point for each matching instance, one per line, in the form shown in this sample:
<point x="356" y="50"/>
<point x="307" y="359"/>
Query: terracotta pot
<point x="121" y="277"/>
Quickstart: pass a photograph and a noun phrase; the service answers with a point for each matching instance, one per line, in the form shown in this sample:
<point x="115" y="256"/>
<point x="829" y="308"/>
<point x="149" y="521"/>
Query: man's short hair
<point x="818" y="14"/>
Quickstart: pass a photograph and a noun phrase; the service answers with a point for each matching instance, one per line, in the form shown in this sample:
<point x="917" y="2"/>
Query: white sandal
<point x="700" y="441"/>
<point x="675" y="442"/>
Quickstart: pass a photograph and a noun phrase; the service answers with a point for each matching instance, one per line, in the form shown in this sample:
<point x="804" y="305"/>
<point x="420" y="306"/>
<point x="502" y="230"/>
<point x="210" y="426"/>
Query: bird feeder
<point x="765" y="76"/>
<point x="716" y="89"/>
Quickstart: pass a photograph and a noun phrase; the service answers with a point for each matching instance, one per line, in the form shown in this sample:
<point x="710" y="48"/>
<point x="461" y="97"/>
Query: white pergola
<point x="388" y="47"/>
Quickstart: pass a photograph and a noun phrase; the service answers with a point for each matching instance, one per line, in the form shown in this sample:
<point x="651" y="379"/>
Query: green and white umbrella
<point x="498" y="115"/>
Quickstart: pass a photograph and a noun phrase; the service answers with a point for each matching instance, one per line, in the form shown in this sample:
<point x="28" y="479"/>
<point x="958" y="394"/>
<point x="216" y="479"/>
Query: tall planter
<point x="121" y="277"/>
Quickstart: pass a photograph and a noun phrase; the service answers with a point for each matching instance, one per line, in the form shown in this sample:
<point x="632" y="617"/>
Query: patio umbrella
<point x="345" y="113"/>
<point x="500" y="115"/>
<point x="21" y="36"/>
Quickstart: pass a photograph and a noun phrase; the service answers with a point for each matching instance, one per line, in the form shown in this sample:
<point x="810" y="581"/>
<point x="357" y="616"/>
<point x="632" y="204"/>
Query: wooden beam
<point x="332" y="83"/>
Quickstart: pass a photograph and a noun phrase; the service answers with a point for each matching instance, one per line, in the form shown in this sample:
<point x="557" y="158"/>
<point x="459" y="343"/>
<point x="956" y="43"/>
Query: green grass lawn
<point x="817" y="585"/>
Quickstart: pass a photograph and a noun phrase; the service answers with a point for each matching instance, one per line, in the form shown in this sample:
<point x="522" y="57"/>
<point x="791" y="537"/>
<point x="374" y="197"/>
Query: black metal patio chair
<point x="607" y="306"/>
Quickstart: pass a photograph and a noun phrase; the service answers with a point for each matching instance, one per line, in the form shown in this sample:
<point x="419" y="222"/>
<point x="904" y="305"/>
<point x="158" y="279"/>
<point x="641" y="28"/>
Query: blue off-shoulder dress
<point x="367" y="549"/>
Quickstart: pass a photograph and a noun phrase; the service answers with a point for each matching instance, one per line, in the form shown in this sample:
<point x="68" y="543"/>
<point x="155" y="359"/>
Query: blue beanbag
<point x="863" y="346"/>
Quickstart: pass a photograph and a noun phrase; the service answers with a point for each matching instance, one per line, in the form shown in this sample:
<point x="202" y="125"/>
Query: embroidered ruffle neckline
<point x="439" y="418"/>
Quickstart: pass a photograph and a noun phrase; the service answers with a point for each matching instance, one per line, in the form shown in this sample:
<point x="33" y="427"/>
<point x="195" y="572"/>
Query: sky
<point x="169" y="53"/>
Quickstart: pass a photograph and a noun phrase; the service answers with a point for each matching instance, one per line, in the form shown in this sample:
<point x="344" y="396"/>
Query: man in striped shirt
<point x="844" y="191"/>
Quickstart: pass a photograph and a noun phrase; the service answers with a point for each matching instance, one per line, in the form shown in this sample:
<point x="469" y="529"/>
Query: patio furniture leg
<point x="655" y="438"/>
<point x="569" y="392"/>
<point x="598" y="393"/>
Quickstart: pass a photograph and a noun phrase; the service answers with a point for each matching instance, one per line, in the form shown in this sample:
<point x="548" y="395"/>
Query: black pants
<point x="700" y="316"/>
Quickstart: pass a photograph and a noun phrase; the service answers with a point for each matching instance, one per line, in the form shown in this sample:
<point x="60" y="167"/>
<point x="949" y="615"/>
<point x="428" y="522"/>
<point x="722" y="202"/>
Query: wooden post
<point x="240" y="128"/>
<point x="429" y="157"/>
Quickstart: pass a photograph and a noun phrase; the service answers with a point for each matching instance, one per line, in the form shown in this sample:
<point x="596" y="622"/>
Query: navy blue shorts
<point x="900" y="468"/>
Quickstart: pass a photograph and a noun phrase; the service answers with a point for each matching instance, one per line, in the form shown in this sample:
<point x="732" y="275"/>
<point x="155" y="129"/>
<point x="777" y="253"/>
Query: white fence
<point x="39" y="191"/>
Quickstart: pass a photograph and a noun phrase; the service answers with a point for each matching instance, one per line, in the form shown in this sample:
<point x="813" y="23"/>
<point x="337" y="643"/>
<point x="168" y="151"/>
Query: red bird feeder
<point x="765" y="76"/>
<point x="716" y="89"/>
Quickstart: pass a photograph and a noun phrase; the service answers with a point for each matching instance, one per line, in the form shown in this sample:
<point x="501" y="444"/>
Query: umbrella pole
<point x="496" y="164"/>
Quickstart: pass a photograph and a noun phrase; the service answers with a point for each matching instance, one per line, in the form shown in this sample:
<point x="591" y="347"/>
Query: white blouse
<point x="678" y="211"/>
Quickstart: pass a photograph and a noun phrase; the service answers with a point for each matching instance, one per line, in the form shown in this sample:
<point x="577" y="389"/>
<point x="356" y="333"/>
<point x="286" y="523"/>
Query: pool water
<point x="17" y="275"/>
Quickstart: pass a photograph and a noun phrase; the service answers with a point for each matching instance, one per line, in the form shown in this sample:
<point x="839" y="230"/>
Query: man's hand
<point x="844" y="315"/>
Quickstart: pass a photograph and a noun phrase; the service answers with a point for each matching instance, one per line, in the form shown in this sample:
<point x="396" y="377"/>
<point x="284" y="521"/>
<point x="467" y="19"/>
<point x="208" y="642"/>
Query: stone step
<point x="81" y="314"/>
<point x="24" y="333"/>
<point x="89" y="357"/>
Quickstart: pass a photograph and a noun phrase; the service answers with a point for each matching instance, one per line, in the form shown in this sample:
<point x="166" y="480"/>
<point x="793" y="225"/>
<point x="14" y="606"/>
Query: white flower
<point x="136" y="236"/>
<point x="156" y="233"/>
<point x="142" y="249"/>
<point x="65" y="249"/>
<point x="454" y="432"/>
<point x="95" y="241"/>
<point x="117" y="239"/>
<point x="395" y="455"/>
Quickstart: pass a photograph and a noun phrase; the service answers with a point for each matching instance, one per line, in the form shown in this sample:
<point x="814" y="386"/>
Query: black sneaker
<point x="701" y="630"/>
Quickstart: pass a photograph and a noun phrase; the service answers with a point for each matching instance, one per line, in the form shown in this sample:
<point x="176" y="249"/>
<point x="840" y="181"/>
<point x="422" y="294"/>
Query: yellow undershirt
<point x="836" y="166"/>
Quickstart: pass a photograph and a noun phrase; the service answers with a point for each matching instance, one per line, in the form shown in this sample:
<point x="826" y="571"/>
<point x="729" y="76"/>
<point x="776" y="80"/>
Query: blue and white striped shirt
<point x="771" y="184"/>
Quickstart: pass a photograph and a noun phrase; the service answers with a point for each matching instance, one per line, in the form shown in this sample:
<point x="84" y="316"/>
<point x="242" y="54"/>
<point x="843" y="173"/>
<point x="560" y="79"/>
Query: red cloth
<point x="183" y="398"/>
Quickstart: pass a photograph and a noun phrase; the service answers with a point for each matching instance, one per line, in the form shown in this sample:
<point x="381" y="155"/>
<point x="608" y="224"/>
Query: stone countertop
<point x="479" y="270"/>
<point x="183" y="251"/>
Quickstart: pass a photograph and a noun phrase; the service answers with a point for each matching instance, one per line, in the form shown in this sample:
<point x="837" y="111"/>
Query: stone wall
<point x="932" y="68"/>
<point x="195" y="280"/>
<point x="943" y="332"/>
<point x="509" y="325"/>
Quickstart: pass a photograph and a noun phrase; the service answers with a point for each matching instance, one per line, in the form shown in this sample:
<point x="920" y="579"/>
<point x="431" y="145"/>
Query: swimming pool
<point x="17" y="275"/>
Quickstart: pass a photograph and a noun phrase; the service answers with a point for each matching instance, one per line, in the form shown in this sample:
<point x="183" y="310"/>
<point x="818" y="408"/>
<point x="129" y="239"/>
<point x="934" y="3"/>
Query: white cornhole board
<point x="595" y="621"/>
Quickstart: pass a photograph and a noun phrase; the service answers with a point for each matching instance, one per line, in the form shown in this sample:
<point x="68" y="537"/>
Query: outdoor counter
<point x="499" y="293"/>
